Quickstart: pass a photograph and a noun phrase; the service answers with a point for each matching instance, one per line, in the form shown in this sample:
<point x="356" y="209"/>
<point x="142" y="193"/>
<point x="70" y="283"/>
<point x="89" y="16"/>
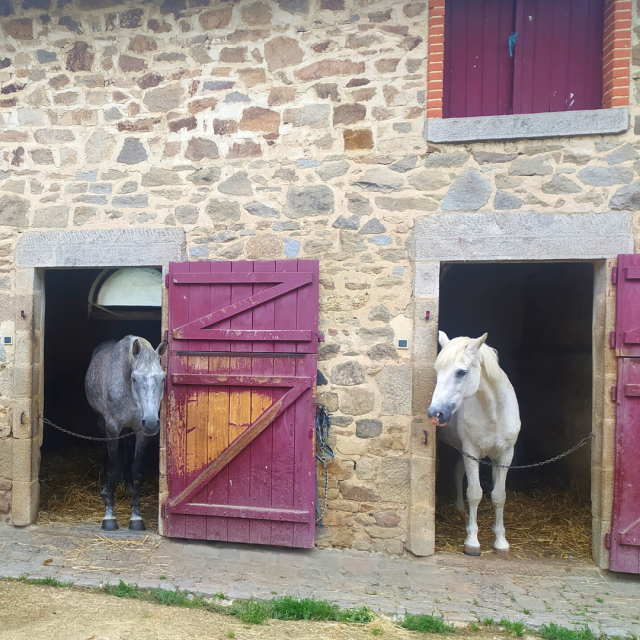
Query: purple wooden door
<point x="627" y="335"/>
<point x="556" y="63"/>
<point x="558" y="55"/>
<point x="625" y="519"/>
<point x="478" y="78"/>
<point x="240" y="403"/>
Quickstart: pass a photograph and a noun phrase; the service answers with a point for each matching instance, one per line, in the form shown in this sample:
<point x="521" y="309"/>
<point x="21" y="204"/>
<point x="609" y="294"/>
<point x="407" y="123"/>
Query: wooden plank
<point x="544" y="56"/>
<point x="625" y="512"/>
<point x="176" y="424"/>
<point x="579" y="51"/>
<point x="561" y="52"/>
<point x="248" y="513"/>
<point x="518" y="58"/>
<point x="241" y="334"/>
<point x="240" y="415"/>
<point x="475" y="58"/>
<point x="264" y="295"/>
<point x="239" y="444"/>
<point x="217" y="490"/>
<point x="490" y="55"/>
<point x="595" y="38"/>
<point x="239" y="381"/>
<point x="197" y="402"/>
<point x="283" y="471"/>
<point x="447" y="80"/>
<point x="262" y="397"/>
<point x="457" y="75"/>
<point x="505" y="60"/>
<point x="243" y="277"/>
<point x="305" y="464"/>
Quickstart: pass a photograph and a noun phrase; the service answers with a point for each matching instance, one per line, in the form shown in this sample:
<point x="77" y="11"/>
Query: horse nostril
<point x="144" y="422"/>
<point x="439" y="415"/>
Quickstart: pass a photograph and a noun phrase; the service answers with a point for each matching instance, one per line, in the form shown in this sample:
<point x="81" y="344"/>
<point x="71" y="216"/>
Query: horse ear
<point x="474" y="345"/>
<point x="135" y="348"/>
<point x="162" y="347"/>
<point x="443" y="339"/>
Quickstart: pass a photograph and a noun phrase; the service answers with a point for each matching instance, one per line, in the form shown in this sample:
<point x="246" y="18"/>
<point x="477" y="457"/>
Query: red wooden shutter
<point x="478" y="70"/>
<point x="558" y="55"/>
<point x="625" y="519"/>
<point x="240" y="407"/>
<point x="627" y="335"/>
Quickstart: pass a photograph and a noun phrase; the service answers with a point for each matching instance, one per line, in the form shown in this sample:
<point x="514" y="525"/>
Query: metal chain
<point x="526" y="466"/>
<point x="77" y="435"/>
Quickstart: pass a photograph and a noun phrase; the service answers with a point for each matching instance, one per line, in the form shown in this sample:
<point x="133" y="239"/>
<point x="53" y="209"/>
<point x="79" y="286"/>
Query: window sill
<point x="533" y="125"/>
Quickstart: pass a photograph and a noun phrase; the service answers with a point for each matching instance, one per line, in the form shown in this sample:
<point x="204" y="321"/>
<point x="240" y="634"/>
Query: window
<point x="522" y="56"/>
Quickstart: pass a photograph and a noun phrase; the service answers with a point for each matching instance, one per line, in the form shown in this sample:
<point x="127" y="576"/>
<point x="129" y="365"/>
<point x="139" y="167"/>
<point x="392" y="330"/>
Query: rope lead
<point x="323" y="424"/>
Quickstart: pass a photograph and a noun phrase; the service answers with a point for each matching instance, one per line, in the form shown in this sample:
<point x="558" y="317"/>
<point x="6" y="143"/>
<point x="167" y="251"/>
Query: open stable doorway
<point x="539" y="317"/>
<point x="71" y="468"/>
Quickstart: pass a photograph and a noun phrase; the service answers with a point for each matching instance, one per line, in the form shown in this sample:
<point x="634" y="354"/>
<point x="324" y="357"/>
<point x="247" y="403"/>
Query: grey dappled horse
<point x="124" y="385"/>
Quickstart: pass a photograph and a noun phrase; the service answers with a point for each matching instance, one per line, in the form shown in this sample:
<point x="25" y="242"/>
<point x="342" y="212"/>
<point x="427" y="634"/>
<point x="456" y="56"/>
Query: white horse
<point x="476" y="402"/>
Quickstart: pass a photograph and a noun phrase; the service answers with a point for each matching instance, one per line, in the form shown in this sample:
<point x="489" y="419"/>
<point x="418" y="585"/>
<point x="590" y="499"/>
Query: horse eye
<point x="461" y="373"/>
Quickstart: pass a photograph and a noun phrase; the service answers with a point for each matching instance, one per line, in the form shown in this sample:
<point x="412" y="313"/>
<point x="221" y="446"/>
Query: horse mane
<point x="454" y="351"/>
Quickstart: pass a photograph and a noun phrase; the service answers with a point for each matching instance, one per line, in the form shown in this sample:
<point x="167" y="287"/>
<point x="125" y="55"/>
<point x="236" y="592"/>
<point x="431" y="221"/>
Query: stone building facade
<point x="274" y="129"/>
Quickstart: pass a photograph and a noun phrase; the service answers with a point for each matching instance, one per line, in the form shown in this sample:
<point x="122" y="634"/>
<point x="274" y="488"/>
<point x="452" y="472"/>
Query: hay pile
<point x="70" y="485"/>
<point x="539" y="520"/>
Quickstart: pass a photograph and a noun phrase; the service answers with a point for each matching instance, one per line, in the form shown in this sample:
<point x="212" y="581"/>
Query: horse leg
<point x="105" y="457"/>
<point x="136" y="523"/>
<point x="459" y="479"/>
<point x="129" y="456"/>
<point x="474" y="495"/>
<point x="499" y="497"/>
<point x="109" y="521"/>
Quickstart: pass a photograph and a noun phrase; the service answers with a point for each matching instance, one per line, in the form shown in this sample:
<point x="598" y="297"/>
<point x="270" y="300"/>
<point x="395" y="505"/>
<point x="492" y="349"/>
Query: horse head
<point x="147" y="382"/>
<point x="458" y="370"/>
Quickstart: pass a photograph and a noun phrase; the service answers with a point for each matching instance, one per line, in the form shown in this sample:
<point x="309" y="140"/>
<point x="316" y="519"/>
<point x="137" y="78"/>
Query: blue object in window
<point x="512" y="43"/>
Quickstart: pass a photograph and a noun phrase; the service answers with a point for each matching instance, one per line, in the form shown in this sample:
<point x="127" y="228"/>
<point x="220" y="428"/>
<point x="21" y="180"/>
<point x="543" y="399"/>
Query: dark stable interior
<point x="539" y="318"/>
<point x="69" y="340"/>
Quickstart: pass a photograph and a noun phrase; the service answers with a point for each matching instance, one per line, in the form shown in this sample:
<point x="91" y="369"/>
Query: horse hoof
<point x="503" y="553"/>
<point x="471" y="551"/>
<point x="109" y="524"/>
<point x="137" y="525"/>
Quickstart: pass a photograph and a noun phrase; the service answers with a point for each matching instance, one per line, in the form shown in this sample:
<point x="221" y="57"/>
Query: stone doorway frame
<point x="513" y="237"/>
<point x="36" y="252"/>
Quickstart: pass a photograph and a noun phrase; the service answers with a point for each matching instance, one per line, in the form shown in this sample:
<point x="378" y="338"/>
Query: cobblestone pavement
<point x="462" y="589"/>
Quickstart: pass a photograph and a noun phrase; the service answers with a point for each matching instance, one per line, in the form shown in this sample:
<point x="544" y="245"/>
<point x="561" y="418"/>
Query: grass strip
<point x="515" y="628"/>
<point x="248" y="611"/>
<point x="426" y="623"/>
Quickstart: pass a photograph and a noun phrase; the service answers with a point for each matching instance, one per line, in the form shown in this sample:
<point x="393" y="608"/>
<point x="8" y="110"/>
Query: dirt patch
<point x="30" y="611"/>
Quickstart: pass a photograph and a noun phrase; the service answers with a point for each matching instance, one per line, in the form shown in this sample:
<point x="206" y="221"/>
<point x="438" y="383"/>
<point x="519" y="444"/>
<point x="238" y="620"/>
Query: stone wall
<point x="272" y="130"/>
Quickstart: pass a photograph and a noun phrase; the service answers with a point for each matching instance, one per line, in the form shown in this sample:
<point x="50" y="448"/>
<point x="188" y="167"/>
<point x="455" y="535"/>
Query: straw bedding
<point x="70" y="485"/>
<point x="539" y="520"/>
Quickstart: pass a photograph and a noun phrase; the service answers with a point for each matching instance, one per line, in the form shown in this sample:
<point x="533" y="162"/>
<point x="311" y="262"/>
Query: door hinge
<point x="614" y="275"/>
<point x="607" y="540"/>
<point x="166" y="281"/>
<point x="614" y="393"/>
<point x="612" y="339"/>
<point x="163" y="509"/>
<point x="320" y="336"/>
